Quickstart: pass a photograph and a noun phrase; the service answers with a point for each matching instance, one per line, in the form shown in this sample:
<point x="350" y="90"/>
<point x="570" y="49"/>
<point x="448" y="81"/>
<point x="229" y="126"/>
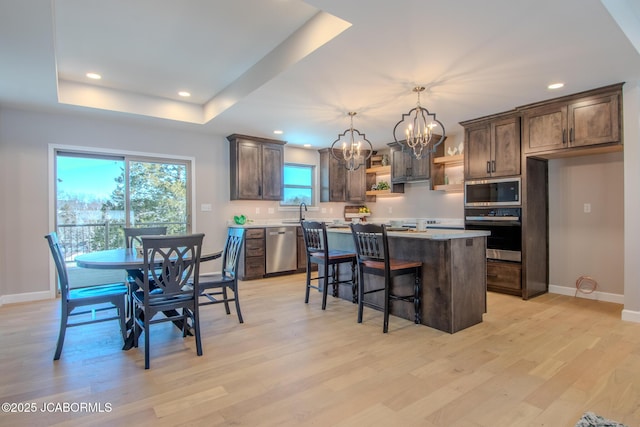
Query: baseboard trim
<point x="25" y="297"/>
<point x="596" y="295"/>
<point x="631" y="316"/>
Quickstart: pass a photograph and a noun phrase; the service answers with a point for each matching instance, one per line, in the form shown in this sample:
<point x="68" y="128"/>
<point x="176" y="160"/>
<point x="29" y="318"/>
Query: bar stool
<point x="372" y="248"/>
<point x="318" y="252"/>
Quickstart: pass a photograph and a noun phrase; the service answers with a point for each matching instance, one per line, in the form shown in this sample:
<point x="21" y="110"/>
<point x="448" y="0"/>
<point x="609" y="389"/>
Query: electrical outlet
<point x="390" y="209"/>
<point x="587" y="208"/>
<point x="330" y="210"/>
<point x="324" y="210"/>
<point x="257" y="210"/>
<point x="271" y="210"/>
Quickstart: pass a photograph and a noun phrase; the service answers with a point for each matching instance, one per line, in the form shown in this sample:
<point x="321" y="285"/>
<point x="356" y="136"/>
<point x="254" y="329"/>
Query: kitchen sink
<point x="290" y="221"/>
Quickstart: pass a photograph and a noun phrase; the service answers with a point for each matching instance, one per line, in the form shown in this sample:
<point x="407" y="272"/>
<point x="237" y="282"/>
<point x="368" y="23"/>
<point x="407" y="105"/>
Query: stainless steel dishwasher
<point x="281" y="254"/>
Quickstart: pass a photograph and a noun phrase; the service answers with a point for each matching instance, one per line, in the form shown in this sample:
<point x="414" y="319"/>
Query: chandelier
<point x="351" y="152"/>
<point x="421" y="131"/>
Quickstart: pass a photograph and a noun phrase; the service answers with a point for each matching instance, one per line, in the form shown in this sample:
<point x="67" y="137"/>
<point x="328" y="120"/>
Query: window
<point x="298" y="184"/>
<point x="97" y="195"/>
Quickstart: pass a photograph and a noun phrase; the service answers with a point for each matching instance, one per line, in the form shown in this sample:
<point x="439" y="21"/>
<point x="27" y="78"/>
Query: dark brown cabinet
<point x="492" y="146"/>
<point x="406" y="168"/>
<point x="505" y="277"/>
<point x="575" y="122"/>
<point x="256" y="168"/>
<point x="337" y="184"/>
<point x="252" y="257"/>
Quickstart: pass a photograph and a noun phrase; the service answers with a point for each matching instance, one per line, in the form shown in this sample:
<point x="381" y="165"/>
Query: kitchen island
<point x="454" y="289"/>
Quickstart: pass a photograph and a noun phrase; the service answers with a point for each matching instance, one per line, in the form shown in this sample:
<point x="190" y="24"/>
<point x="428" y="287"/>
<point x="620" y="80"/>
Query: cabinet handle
<point x="493" y="165"/>
<point x="564" y="136"/>
<point x="488" y="166"/>
<point x="259" y="190"/>
<point x="571" y="135"/>
<point x="408" y="172"/>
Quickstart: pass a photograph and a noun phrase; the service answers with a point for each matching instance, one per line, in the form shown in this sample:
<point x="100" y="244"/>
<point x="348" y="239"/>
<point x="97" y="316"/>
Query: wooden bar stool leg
<point x="416" y="296"/>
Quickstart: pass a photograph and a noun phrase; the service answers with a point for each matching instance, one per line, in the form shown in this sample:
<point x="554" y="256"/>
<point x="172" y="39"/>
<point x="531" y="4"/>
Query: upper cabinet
<point x="585" y="120"/>
<point x="257" y="166"/>
<point x="492" y="146"/>
<point x="406" y="168"/>
<point x="337" y="184"/>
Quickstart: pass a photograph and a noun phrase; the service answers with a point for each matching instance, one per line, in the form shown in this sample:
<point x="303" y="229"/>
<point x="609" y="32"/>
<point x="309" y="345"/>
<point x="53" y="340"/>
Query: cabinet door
<point x="333" y="178"/>
<point x="248" y="173"/>
<point x="594" y="121"/>
<point x="399" y="164"/>
<point x="356" y="185"/>
<point x="477" y="151"/>
<point x="545" y="128"/>
<point x="272" y="171"/>
<point x="420" y="168"/>
<point x="505" y="147"/>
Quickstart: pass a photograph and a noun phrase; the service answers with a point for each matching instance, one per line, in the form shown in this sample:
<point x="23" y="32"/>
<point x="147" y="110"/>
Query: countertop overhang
<point x="430" y="233"/>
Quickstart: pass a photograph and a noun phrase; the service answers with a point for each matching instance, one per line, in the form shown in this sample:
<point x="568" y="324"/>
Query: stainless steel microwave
<point x="492" y="192"/>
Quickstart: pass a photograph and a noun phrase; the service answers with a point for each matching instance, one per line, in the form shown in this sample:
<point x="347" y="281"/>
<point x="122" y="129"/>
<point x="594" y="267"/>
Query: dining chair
<point x="173" y="264"/>
<point x="73" y="299"/>
<point x="214" y="289"/>
<point x="318" y="252"/>
<point x="133" y="240"/>
<point x="372" y="248"/>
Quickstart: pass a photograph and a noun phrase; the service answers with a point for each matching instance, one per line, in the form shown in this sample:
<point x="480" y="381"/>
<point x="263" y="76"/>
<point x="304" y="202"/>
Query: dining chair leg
<point x="63" y="329"/>
<point x="325" y="287"/>
<point x="306" y="296"/>
<point x="196" y="327"/>
<point x="354" y="283"/>
<point x="416" y="296"/>
<point x="237" y="298"/>
<point x="387" y="285"/>
<point x="123" y="321"/>
<point x="226" y="302"/>
<point x="360" y="293"/>
<point x="146" y="343"/>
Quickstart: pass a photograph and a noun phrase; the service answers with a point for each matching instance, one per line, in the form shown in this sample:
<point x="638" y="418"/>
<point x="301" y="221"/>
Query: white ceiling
<point x="253" y="66"/>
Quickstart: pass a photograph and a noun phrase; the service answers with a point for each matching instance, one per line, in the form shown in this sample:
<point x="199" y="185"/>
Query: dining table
<point x="130" y="260"/>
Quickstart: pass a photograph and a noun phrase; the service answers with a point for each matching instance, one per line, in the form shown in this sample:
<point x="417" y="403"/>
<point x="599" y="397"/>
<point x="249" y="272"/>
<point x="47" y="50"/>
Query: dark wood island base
<point x="454" y="271"/>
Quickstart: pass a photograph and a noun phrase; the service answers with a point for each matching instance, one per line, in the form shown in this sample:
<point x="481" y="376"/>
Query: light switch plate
<point x="205" y="207"/>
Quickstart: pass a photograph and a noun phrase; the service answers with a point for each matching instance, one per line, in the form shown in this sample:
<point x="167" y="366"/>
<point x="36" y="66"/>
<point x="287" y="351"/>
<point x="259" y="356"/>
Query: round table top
<point x="121" y="259"/>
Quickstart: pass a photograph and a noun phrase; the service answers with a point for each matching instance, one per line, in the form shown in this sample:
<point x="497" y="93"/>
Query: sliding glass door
<point x="98" y="195"/>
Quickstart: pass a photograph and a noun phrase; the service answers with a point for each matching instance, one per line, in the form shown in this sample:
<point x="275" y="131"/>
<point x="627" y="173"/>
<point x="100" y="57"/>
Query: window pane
<point x="295" y="196"/>
<point x="297" y="175"/>
<point x="298" y="185"/>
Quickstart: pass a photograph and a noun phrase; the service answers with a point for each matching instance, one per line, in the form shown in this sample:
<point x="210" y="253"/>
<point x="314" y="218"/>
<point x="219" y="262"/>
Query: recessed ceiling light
<point x="184" y="93"/>
<point x="555" y="86"/>
<point x="278" y="132"/>
<point x="307" y="145"/>
<point x="94" y="76"/>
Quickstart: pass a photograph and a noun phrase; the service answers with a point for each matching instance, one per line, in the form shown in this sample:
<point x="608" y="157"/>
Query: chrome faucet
<point x="305" y="208"/>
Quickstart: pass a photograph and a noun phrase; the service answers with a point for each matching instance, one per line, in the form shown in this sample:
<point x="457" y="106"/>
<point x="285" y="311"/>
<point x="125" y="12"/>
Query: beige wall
<point x="24" y="144"/>
<point x="580" y="243"/>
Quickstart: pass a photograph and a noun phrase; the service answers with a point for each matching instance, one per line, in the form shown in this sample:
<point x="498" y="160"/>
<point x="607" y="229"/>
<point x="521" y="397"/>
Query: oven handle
<point x="487" y="223"/>
<point x="493" y="218"/>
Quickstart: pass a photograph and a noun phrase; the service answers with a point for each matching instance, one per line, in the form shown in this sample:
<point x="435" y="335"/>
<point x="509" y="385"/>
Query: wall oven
<point x="505" y="225"/>
<point x="492" y="192"/>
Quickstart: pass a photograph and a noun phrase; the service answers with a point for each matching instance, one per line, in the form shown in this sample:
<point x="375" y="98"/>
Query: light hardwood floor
<point x="541" y="362"/>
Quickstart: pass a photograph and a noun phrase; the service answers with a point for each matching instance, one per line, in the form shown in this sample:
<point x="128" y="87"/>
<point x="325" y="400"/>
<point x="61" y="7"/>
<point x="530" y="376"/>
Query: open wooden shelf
<point x="449" y="187"/>
<point x="380" y="170"/>
<point x="458" y="159"/>
<point x="383" y="193"/>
